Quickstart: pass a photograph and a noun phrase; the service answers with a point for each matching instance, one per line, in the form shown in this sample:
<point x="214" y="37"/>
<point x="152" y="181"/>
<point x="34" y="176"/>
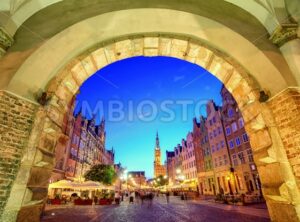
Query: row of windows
<point x="189" y="165"/>
<point x="234" y="127"/>
<point x="237" y="141"/>
<point x="230" y="114"/>
<point x="215" y="132"/>
<point x="218" y="146"/>
<point x="240" y="157"/>
<point x="190" y="145"/>
<point x="212" y="121"/>
<point x="189" y="155"/>
<point x="221" y="161"/>
<point x="191" y="175"/>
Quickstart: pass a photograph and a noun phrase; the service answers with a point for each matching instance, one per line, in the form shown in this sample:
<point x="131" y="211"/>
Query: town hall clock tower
<point x="159" y="169"/>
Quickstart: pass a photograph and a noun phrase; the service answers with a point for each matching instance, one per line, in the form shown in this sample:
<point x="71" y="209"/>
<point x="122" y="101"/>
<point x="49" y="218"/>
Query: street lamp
<point x="124" y="177"/>
<point x="178" y="171"/>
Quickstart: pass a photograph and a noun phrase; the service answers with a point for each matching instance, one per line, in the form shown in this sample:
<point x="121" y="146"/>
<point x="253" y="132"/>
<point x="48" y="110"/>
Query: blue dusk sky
<point x="140" y="89"/>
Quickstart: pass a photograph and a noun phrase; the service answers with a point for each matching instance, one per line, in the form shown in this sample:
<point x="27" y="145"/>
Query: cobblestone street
<point x="159" y="211"/>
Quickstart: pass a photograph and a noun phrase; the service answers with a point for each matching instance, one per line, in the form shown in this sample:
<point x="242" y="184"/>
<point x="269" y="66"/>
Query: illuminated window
<point x="234" y="127"/>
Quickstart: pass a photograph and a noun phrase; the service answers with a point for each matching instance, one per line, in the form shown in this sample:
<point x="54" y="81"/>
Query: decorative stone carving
<point x="6" y="41"/>
<point x="284" y="33"/>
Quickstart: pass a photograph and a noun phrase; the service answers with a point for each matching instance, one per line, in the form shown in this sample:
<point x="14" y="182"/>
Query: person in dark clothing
<point x="168" y="196"/>
<point x="95" y="200"/>
<point x="131" y="197"/>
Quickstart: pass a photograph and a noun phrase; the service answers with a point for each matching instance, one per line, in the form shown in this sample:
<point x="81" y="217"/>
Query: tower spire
<point x="157" y="141"/>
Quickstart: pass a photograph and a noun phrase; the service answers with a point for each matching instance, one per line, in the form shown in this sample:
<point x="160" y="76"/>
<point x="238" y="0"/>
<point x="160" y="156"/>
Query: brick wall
<point x="16" y="118"/>
<point x="286" y="110"/>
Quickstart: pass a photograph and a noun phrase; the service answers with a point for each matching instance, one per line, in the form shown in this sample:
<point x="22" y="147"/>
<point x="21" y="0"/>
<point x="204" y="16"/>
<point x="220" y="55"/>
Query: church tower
<point x="159" y="170"/>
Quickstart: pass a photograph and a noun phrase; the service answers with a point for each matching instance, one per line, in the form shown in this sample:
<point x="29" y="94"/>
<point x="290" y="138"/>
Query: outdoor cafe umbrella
<point x="87" y="185"/>
<point x="61" y="184"/>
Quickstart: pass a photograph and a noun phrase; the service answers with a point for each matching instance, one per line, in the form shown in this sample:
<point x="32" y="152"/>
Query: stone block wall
<point x="286" y="110"/>
<point x="16" y="120"/>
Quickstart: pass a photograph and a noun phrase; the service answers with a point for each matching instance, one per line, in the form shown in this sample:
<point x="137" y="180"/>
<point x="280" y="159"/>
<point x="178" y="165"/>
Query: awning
<point x="87" y="185"/>
<point x="62" y="184"/>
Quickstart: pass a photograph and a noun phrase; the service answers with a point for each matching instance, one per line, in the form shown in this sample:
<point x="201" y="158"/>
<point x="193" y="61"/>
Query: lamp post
<point x="234" y="179"/>
<point x="128" y="177"/>
<point x="124" y="177"/>
<point x="229" y="185"/>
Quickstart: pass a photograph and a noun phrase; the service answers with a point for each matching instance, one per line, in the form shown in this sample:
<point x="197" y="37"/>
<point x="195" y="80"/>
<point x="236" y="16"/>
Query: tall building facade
<point x="222" y="152"/>
<point x="219" y="150"/>
<point x="189" y="167"/>
<point x="178" y="160"/>
<point x="81" y="145"/>
<point x="245" y="172"/>
<point x="170" y="166"/>
<point x="159" y="169"/>
<point x="203" y="158"/>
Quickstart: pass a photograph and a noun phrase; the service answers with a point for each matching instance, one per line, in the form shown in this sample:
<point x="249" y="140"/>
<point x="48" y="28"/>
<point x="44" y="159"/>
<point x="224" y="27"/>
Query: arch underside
<point x="80" y="38"/>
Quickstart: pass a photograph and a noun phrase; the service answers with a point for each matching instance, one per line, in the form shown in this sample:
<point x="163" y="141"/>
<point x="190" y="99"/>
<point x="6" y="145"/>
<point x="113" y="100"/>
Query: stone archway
<point x="265" y="123"/>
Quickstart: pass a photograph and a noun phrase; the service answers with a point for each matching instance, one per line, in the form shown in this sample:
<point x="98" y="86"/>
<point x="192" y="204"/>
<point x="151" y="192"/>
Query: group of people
<point x="139" y="196"/>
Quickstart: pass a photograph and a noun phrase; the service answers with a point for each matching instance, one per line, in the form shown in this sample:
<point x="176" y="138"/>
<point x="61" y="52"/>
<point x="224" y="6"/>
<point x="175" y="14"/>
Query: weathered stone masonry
<point x="16" y="119"/>
<point x="286" y="110"/>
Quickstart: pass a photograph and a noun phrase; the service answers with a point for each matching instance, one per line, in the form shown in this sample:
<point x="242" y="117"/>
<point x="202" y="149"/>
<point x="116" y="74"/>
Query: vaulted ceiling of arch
<point x="58" y="16"/>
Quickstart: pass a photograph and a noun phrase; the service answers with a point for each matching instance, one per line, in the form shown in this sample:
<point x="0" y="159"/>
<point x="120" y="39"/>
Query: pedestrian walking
<point x="117" y="198"/>
<point x="95" y="200"/>
<point x="151" y="196"/>
<point x="142" y="196"/>
<point x="168" y="196"/>
<point x="131" y="198"/>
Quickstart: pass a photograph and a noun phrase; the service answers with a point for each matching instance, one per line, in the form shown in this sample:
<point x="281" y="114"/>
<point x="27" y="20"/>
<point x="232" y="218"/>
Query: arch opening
<point x="267" y="147"/>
